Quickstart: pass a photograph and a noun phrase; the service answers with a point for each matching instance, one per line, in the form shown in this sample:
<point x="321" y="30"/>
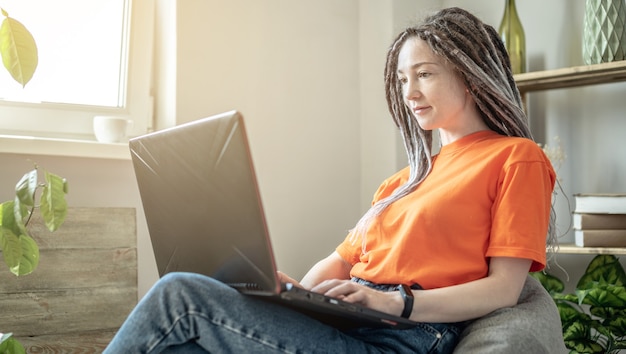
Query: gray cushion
<point x="532" y="326"/>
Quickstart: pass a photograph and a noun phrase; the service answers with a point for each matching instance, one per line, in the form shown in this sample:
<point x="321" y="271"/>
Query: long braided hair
<point x="478" y="55"/>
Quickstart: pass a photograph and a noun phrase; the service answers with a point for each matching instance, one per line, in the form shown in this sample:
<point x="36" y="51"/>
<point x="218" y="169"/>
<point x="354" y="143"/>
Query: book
<point x="600" y="238"/>
<point x="598" y="221"/>
<point x="600" y="203"/>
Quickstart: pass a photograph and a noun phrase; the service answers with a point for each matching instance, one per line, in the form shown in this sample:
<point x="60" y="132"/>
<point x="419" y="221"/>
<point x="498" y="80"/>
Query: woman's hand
<point x="385" y="301"/>
<point x="284" y="278"/>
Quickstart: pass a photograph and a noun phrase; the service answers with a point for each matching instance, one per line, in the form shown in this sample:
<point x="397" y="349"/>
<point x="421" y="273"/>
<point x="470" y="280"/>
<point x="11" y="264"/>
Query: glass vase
<point x="512" y="33"/>
<point x="604" y="33"/>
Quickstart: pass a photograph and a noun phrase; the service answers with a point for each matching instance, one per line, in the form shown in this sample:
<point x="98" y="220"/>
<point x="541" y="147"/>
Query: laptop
<point x="204" y="215"/>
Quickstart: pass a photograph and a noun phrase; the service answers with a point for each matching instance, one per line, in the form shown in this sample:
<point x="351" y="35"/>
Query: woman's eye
<point x="419" y="75"/>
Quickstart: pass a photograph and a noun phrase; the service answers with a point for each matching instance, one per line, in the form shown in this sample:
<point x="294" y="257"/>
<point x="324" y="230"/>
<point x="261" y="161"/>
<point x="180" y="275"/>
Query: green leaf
<point x="26" y="187"/>
<point x="566" y="297"/>
<point x="53" y="205"/>
<point x="11" y="247"/>
<point x="620" y="344"/>
<point x="8" y="217"/>
<point x="10" y="345"/>
<point x="603" y="295"/>
<point x="578" y="337"/>
<point x="18" y="50"/>
<point x="569" y="314"/>
<point x="603" y="269"/>
<point x="551" y="283"/>
<point x="617" y="323"/>
<point x="603" y="330"/>
<point x="5" y="336"/>
<point x="25" y="199"/>
<point x="20" y="252"/>
<point x="605" y="313"/>
<point x="30" y="256"/>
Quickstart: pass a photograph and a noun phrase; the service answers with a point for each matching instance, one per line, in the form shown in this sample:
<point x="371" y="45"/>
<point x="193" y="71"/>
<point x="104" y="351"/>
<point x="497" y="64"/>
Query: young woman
<point x="462" y="228"/>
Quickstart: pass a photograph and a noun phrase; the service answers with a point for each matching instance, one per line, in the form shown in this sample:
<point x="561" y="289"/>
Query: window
<point x="94" y="58"/>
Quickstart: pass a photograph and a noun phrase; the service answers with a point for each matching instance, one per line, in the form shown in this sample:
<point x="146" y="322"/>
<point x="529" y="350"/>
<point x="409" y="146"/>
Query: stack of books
<point x="600" y="220"/>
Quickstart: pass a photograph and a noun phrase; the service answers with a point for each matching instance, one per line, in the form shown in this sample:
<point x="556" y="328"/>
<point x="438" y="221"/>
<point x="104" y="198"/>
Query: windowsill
<point x="13" y="144"/>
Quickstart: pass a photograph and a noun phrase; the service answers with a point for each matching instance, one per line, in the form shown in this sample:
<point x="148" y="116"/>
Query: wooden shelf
<point x="575" y="77"/>
<point x="569" y="248"/>
<point x="572" y="77"/>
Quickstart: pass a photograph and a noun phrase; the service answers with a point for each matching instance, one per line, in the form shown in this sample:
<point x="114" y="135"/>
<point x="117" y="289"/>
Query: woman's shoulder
<point x="397" y="179"/>
<point x="392" y="182"/>
<point x="514" y="152"/>
<point x="516" y="147"/>
<point x="507" y="153"/>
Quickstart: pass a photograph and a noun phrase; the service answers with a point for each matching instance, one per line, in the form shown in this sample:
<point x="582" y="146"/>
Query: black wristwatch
<point x="407" y="296"/>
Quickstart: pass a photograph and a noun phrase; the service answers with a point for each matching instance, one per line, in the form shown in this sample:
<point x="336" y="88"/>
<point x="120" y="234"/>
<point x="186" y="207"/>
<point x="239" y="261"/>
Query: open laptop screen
<point x="201" y="201"/>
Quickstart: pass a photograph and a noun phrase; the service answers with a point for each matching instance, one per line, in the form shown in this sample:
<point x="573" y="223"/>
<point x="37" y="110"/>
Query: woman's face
<point x="434" y="92"/>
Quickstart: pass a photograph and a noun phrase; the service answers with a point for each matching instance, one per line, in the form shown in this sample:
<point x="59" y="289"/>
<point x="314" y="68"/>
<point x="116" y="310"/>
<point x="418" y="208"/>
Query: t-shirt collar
<point x="466" y="141"/>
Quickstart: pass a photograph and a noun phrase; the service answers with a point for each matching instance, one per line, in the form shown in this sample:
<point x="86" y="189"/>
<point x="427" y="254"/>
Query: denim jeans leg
<point x="185" y="310"/>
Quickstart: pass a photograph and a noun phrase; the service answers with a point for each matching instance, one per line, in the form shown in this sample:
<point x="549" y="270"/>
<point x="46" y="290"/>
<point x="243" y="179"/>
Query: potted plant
<point x="19" y="250"/>
<point x="594" y="316"/>
<point x="21" y="254"/>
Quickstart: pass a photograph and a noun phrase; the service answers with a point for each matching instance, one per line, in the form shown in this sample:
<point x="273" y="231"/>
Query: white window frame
<point x="67" y="121"/>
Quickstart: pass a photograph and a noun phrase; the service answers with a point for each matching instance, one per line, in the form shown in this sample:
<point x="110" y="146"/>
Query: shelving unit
<point x="572" y="77"/>
<point x="567" y="78"/>
<point x="573" y="249"/>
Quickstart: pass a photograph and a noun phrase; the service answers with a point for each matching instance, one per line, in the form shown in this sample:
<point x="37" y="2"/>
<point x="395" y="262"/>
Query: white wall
<point x="292" y="68"/>
<point x="308" y="77"/>
<point x="379" y="142"/>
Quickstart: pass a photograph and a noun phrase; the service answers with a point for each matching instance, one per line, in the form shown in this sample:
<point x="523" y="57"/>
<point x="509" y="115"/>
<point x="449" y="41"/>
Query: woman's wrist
<point x="407" y="300"/>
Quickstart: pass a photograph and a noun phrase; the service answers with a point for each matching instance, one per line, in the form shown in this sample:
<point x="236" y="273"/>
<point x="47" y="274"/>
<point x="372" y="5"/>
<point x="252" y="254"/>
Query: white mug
<point x="111" y="129"/>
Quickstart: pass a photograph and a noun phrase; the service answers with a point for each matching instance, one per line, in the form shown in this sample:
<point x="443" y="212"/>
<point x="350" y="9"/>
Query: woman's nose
<point x="411" y="91"/>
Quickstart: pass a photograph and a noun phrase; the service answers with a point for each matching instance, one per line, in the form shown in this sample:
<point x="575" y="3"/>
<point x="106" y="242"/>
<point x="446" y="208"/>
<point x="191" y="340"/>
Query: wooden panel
<point x="76" y="269"/>
<point x="89" y="228"/>
<point x="65" y="311"/>
<point x="86" y="281"/>
<point x="84" y="342"/>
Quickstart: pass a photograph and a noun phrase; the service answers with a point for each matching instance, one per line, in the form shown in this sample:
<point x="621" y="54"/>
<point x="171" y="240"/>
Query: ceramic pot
<point x="604" y="33"/>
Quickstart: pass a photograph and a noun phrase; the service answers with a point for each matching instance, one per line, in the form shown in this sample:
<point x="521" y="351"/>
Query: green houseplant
<point x="594" y="316"/>
<point x="18" y="248"/>
<point x="21" y="254"/>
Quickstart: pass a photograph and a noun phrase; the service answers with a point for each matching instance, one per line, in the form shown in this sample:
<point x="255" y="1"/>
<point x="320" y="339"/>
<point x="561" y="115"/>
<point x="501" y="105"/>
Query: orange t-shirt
<point x="488" y="195"/>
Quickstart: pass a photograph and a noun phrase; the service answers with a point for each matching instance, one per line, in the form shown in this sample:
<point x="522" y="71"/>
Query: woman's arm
<point x="331" y="267"/>
<point x="501" y="288"/>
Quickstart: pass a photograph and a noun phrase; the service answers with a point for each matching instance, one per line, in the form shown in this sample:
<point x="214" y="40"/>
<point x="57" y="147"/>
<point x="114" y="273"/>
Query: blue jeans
<point x="192" y="313"/>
